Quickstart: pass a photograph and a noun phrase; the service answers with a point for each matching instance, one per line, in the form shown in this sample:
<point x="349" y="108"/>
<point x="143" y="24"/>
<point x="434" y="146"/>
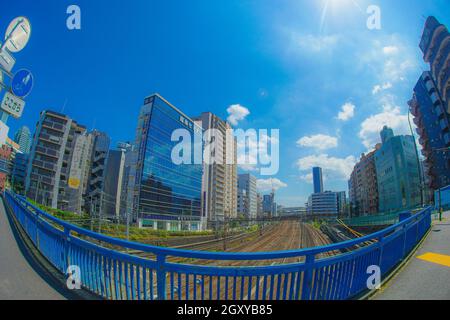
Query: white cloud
<point x="319" y="141"/>
<point x="237" y="113"/>
<point x="307" y="178"/>
<point x="267" y="184"/>
<point x="390" y="116"/>
<point x="390" y="50"/>
<point x="348" y="111"/>
<point x="381" y="87"/>
<point x="311" y="43"/>
<point x="336" y="168"/>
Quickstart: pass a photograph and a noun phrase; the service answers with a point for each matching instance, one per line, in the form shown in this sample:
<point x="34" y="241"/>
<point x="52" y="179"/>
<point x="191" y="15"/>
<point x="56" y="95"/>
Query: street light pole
<point x="418" y="160"/>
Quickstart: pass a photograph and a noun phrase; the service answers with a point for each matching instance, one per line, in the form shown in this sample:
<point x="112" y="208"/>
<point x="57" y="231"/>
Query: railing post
<point x="66" y="248"/>
<point x="36" y="229"/>
<point x="161" y="276"/>
<point x="380" y="259"/>
<point x="404" y="241"/>
<point x="307" y="277"/>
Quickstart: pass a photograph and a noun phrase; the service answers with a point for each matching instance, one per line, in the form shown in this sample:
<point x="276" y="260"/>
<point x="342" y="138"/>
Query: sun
<point x="336" y="6"/>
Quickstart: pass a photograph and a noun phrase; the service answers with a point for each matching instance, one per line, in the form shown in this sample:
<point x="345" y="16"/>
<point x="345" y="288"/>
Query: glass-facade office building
<point x="317" y="180"/>
<point x="167" y="196"/>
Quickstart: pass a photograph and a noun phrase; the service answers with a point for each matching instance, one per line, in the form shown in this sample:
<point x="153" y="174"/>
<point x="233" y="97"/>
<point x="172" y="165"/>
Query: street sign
<point x="6" y="60"/>
<point x="13" y="105"/>
<point x="22" y="83"/>
<point x="17" y="34"/>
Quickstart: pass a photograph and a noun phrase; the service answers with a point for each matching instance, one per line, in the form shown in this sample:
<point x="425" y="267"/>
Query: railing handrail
<point x="162" y="251"/>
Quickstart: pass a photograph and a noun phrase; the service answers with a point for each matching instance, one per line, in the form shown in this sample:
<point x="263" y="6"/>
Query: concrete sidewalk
<point x="427" y="277"/>
<point x="20" y="277"/>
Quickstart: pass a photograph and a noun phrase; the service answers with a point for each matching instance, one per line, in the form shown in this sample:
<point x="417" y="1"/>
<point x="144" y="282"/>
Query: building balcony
<point x="434" y="98"/>
<point x="444" y="82"/>
<point x="50" y="139"/>
<point x="447" y="139"/>
<point x="444" y="124"/>
<point x="414" y="107"/>
<point x="417" y="121"/>
<point x="98" y="169"/>
<point x="47" y="152"/>
<point x="438" y="111"/>
<point x="53" y="125"/>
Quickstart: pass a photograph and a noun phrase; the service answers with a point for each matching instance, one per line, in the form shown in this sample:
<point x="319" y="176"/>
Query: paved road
<point x="424" y="280"/>
<point x="20" y="277"/>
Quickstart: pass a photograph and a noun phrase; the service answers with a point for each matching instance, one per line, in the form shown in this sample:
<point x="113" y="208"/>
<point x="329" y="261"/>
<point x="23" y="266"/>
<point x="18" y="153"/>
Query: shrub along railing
<point x="114" y="274"/>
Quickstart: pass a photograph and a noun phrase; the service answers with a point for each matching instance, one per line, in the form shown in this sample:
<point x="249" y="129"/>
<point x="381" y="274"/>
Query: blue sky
<point x="321" y="77"/>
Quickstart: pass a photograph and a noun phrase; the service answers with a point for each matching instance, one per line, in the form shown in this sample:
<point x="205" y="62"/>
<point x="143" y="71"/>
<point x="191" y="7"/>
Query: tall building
<point x="113" y="183"/>
<point x="259" y="205"/>
<point x="363" y="186"/>
<point x="247" y="196"/>
<point x="430" y="104"/>
<point x="435" y="45"/>
<point x="54" y="176"/>
<point x="398" y="172"/>
<point x="126" y="202"/>
<point x="317" y="180"/>
<point x="219" y="176"/>
<point x="342" y="203"/>
<point x="166" y="195"/>
<point x="5" y="156"/>
<point x="23" y="138"/>
<point x="19" y="172"/>
<point x="95" y="197"/>
<point x="269" y="205"/>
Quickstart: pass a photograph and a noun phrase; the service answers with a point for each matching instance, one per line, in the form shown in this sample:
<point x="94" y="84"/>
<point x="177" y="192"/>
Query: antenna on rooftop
<point x="64" y="106"/>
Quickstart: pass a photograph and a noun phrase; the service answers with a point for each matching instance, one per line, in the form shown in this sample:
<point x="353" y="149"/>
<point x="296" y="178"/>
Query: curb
<point x="44" y="265"/>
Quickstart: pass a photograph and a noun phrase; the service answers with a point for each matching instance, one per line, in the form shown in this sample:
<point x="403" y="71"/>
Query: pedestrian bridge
<point x="322" y="273"/>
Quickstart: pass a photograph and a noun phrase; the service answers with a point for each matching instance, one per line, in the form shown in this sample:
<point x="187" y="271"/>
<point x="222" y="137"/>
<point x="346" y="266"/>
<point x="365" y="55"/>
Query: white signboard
<point x="13" y="105"/>
<point x="6" y="60"/>
<point x="17" y="34"/>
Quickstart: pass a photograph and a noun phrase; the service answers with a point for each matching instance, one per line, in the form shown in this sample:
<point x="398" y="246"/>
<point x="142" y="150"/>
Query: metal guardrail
<point x="117" y="275"/>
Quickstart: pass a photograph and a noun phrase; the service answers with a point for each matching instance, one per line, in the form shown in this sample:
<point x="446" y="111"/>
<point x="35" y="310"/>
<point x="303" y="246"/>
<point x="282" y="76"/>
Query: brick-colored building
<point x="5" y="158"/>
<point x="363" y="188"/>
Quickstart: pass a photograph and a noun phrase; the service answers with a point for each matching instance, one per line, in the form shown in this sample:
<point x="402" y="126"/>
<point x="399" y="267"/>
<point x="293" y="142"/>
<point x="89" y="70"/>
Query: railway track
<point x="286" y="236"/>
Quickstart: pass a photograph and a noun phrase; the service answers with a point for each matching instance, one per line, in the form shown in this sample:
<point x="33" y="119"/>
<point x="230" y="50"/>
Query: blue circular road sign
<point x="22" y="83"/>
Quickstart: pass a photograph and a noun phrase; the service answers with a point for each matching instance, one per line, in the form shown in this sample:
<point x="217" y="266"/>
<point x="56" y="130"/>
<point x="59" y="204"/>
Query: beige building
<point x="219" y="195"/>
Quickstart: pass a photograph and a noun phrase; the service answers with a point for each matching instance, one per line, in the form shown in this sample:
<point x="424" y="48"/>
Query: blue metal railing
<point x="114" y="274"/>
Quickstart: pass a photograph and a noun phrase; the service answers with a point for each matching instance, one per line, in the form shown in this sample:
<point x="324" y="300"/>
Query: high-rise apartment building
<point x="430" y="104"/>
<point x="398" y="172"/>
<point x="126" y="202"/>
<point x="166" y="194"/>
<point x="259" y="205"/>
<point x="95" y="197"/>
<point x="113" y="183"/>
<point x="247" y="196"/>
<point x="23" y="138"/>
<point x="220" y="170"/>
<point x="317" y="180"/>
<point x="57" y="157"/>
<point x="363" y="186"/>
